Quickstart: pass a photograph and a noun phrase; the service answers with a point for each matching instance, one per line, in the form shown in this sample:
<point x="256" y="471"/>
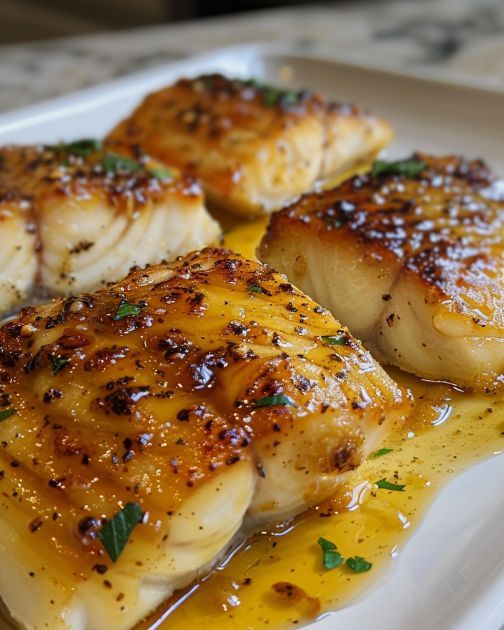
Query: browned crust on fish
<point x="234" y="119"/>
<point x="33" y="173"/>
<point x="444" y="227"/>
<point x="173" y="388"/>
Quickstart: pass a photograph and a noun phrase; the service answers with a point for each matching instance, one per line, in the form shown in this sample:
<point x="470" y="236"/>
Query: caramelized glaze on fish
<point x="142" y="423"/>
<point x="412" y="264"/>
<point x="253" y="146"/>
<point x="73" y="217"/>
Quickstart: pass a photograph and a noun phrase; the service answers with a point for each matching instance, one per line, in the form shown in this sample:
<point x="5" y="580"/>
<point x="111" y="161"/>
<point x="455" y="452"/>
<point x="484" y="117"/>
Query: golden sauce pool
<point x="276" y="578"/>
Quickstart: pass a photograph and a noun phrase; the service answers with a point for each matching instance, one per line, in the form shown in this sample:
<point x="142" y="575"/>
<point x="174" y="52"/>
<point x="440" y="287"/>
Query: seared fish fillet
<point x="173" y="404"/>
<point x="73" y="217"/>
<point x="253" y="146"/>
<point x="412" y="263"/>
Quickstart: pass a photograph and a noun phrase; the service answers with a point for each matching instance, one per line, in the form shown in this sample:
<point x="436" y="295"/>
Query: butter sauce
<point x="275" y="578"/>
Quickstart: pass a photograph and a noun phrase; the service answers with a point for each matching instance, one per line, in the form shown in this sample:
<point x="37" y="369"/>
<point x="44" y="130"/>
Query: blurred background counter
<point x="52" y="47"/>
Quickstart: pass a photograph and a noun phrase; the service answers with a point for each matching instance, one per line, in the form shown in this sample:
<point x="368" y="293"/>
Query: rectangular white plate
<point x="451" y="572"/>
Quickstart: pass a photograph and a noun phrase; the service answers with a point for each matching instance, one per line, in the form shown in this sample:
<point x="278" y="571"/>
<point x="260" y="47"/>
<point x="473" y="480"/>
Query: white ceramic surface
<point x="450" y="573"/>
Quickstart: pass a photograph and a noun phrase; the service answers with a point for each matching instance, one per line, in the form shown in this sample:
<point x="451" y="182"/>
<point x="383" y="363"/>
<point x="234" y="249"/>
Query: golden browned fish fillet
<point x="253" y="146"/>
<point x="73" y="217"/>
<point x="412" y="263"/>
<point x="142" y="423"/>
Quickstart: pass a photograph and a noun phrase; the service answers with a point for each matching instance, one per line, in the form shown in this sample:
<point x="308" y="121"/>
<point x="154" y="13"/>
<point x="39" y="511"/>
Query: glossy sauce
<point x="276" y="579"/>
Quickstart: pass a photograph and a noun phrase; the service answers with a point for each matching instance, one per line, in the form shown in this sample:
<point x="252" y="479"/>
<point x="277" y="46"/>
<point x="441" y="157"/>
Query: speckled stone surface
<point x="465" y="37"/>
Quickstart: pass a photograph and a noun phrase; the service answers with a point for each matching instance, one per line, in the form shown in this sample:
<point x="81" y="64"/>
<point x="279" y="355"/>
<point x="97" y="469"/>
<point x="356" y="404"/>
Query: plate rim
<point x="48" y="109"/>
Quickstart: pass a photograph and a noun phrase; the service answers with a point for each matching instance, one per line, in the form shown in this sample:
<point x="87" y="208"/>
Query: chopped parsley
<point x="270" y="96"/>
<point x="357" y="564"/>
<point x="275" y="401"/>
<point x="331" y="556"/>
<point x="81" y="148"/>
<point x="380" y="452"/>
<point x="161" y="173"/>
<point x="7" y="413"/>
<point x="116" y="532"/>
<point x="409" y="168"/>
<point x="274" y="96"/>
<point x="335" y="340"/>
<point x="388" y="485"/>
<point x="57" y="363"/>
<point x="289" y="98"/>
<point x="119" y="164"/>
<point x="254" y="288"/>
<point x="126" y="309"/>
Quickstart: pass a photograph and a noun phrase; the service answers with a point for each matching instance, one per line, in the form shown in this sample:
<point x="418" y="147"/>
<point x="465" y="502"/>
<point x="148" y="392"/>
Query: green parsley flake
<point x="118" y="164"/>
<point x="409" y="168"/>
<point x="254" y="288"/>
<point x="289" y="98"/>
<point x="116" y="532"/>
<point x="274" y="96"/>
<point x="57" y="363"/>
<point x="81" y="148"/>
<point x="7" y="413"/>
<point x="331" y="556"/>
<point x="334" y="340"/>
<point x="357" y="564"/>
<point x="387" y="485"/>
<point x="127" y="310"/>
<point x="275" y="401"/>
<point x="380" y="452"/>
<point x="161" y="173"/>
<point x="270" y="97"/>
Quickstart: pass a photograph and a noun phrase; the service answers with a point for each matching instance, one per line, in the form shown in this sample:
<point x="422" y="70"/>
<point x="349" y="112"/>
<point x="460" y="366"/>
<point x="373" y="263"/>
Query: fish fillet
<point x="414" y="265"/>
<point x="253" y="146"/>
<point x="197" y="394"/>
<point x="73" y="217"/>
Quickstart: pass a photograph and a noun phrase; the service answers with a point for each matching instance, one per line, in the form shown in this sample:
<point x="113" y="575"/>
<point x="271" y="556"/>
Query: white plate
<point x="451" y="572"/>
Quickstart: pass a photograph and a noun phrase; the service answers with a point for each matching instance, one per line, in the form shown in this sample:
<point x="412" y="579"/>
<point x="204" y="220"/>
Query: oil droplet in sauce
<point x="275" y="577"/>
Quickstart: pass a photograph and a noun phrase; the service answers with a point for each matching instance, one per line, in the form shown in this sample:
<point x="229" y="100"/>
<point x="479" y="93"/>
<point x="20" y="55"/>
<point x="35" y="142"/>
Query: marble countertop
<point x="465" y="37"/>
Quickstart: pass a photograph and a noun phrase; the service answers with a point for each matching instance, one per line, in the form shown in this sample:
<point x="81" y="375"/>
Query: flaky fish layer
<point x="253" y="146"/>
<point x="202" y="391"/>
<point x="73" y="217"/>
<point x="413" y="265"/>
